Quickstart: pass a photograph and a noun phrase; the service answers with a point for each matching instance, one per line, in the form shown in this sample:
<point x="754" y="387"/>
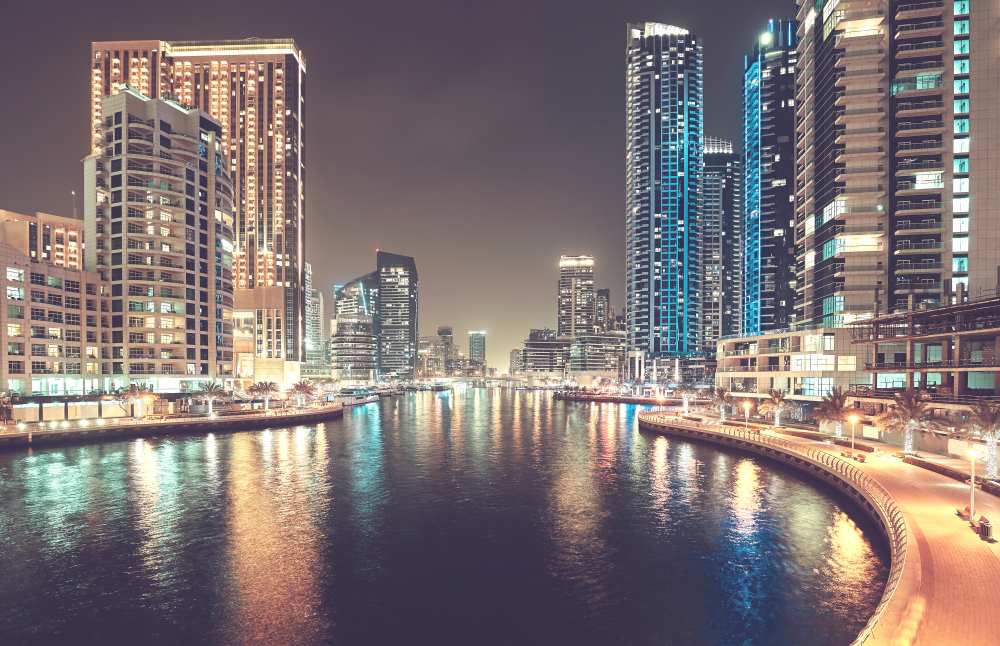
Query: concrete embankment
<point x="76" y="433"/>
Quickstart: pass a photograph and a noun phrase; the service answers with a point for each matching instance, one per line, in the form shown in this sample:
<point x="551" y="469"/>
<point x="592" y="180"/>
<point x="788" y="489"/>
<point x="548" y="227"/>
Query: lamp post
<point x="853" y="419"/>
<point x="973" y="456"/>
<point x="746" y="416"/>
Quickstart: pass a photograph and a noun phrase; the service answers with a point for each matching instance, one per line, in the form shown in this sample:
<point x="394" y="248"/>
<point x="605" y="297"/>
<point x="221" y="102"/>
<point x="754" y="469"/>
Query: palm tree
<point x="721" y="398"/>
<point x="908" y="412"/>
<point x="127" y="396"/>
<point x="775" y="404"/>
<point x="303" y="390"/>
<point x="833" y="409"/>
<point x="985" y="418"/>
<point x="265" y="389"/>
<point x="210" y="392"/>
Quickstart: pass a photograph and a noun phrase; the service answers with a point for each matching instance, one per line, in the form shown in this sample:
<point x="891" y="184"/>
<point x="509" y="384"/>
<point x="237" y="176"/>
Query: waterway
<point x="467" y="517"/>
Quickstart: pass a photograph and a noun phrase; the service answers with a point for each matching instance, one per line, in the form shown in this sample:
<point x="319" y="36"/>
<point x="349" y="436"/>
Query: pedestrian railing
<point x="878" y="497"/>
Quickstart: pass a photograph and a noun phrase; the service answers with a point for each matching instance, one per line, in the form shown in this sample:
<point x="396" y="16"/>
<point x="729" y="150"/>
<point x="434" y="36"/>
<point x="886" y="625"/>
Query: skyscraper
<point x="604" y="316"/>
<point x="664" y="161"/>
<point x="477" y="348"/>
<point x="317" y="338"/>
<point x="446" y="342"/>
<point x="353" y="347"/>
<point x="768" y="271"/>
<point x="396" y="315"/>
<point x="897" y="204"/>
<point x="576" y="312"/>
<point x="722" y="236"/>
<point x="158" y="223"/>
<point x="254" y="88"/>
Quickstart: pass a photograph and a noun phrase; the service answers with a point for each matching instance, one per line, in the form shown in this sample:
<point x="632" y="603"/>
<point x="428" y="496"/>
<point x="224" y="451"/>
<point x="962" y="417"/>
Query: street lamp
<point x="853" y="419"/>
<point x="746" y="415"/>
<point x="973" y="456"/>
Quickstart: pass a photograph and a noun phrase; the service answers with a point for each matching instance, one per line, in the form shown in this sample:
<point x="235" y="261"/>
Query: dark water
<point x="473" y="517"/>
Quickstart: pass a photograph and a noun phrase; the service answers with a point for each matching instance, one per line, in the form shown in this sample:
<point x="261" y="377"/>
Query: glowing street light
<point x="853" y="419"/>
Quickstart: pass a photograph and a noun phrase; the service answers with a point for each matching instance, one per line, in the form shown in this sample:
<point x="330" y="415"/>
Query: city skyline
<point x="345" y="154"/>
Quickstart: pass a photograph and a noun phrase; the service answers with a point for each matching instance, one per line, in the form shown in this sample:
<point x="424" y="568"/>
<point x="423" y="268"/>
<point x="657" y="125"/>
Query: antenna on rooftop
<point x="72" y="192"/>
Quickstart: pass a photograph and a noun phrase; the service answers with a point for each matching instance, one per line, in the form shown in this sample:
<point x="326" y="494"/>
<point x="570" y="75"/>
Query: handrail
<point x="881" y="500"/>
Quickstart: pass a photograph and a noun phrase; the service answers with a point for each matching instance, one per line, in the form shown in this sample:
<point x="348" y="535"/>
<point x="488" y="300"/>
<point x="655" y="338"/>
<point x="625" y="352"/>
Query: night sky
<point x="485" y="139"/>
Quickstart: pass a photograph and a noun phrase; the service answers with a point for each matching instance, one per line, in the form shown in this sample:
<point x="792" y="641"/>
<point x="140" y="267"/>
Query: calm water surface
<point x="471" y="517"/>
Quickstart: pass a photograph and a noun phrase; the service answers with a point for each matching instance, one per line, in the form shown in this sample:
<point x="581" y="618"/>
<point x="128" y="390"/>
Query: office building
<point x="576" y="307"/>
<point x="604" y="316"/>
<point x="317" y="362"/>
<point x="477" y="349"/>
<point x="722" y="236"/>
<point x="356" y="298"/>
<point x="50" y="326"/>
<point x="664" y="161"/>
<point x="446" y="345"/>
<point x="352" y="350"/>
<point x="514" y="367"/>
<point x="396" y="315"/>
<point x="768" y="271"/>
<point x="598" y="354"/>
<point x="545" y="354"/>
<point x="254" y="89"/>
<point x="159" y="229"/>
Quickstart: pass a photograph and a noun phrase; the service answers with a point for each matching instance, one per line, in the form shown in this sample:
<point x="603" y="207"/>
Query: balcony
<point x="907" y="247"/>
<point x="918" y="266"/>
<point x="917" y="207"/>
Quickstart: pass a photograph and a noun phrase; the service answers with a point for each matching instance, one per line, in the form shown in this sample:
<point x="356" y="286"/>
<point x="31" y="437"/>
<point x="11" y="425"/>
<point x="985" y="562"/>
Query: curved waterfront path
<point x="947" y="588"/>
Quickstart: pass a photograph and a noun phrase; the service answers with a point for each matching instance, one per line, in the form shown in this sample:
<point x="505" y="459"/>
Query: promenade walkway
<point x="948" y="588"/>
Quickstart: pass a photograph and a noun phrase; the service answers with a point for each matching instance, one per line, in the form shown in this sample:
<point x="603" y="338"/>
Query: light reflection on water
<point x="466" y="517"/>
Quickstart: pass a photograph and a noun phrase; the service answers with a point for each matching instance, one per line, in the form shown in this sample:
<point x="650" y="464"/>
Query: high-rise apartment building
<point x="604" y="316"/>
<point x="254" y="89"/>
<point x="514" y="367"/>
<point x="768" y="269"/>
<point x="47" y="239"/>
<point x="446" y="343"/>
<point x="575" y="303"/>
<point x="353" y="347"/>
<point x="396" y="315"/>
<point x="158" y="217"/>
<point x="545" y="353"/>
<point x="317" y="340"/>
<point x="664" y="161"/>
<point x="721" y="242"/>
<point x="477" y="348"/>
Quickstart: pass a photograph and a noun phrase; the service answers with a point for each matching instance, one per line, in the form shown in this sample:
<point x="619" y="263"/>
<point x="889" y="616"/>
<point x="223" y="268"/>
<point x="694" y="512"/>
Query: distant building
<point x="430" y="358"/>
<point x="722" y="246"/>
<point x="397" y="315"/>
<point x="317" y="340"/>
<point x="575" y="311"/>
<point x="446" y="345"/>
<point x="515" y="362"/>
<point x="598" y="354"/>
<point x="604" y="316"/>
<point x="352" y="350"/>
<point x="477" y="349"/>
<point x="545" y="353"/>
<point x="664" y="159"/>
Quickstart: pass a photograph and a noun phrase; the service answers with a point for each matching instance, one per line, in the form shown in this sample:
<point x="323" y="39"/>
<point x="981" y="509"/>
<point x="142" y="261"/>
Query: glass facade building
<point x="722" y="242"/>
<point x="768" y="271"/>
<point x="396" y="316"/>
<point x="664" y="160"/>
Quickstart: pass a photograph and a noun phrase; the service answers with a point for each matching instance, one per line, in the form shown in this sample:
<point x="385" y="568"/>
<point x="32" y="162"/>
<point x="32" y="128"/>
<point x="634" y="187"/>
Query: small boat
<point x="356" y="397"/>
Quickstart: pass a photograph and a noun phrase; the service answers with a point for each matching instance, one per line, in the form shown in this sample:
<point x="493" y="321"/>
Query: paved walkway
<point x="949" y="590"/>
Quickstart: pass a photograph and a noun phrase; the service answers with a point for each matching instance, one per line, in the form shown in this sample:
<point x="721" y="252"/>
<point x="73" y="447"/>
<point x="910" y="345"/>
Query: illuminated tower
<point x="254" y="88"/>
<point x="663" y="182"/>
<point x="576" y="295"/>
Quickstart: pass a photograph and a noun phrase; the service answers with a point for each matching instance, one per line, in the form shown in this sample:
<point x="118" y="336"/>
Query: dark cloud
<point x="484" y="138"/>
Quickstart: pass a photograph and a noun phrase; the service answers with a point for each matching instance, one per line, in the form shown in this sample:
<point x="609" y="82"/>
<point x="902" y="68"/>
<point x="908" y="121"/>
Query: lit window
<point x="961" y="165"/>
<point x="960" y="185"/>
<point x="961" y="86"/>
<point x="961" y="126"/>
<point x="962" y="27"/>
<point x="960" y="225"/>
<point x="960" y="205"/>
<point x="962" y="145"/>
<point x="15" y="275"/>
<point x="961" y="7"/>
<point x="960" y="264"/>
<point x="961" y="66"/>
<point x="961" y="106"/>
<point x="960" y="244"/>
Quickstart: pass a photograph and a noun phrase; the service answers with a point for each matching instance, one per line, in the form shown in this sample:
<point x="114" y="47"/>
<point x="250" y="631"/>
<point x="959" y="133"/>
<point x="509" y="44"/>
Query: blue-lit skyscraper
<point x="769" y="179"/>
<point x="664" y="162"/>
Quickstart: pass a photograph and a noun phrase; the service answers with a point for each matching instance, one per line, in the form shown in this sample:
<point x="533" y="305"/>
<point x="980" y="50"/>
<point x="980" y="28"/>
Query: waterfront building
<point x="50" y="323"/>
<point x="254" y="89"/>
<point x="768" y="270"/>
<point x="515" y="365"/>
<point x="477" y="350"/>
<point x="317" y="362"/>
<point x="159" y="228"/>
<point x="597" y="355"/>
<point x="804" y="364"/>
<point x="664" y="159"/>
<point x="430" y="362"/>
<point x="575" y="307"/>
<point x="952" y="352"/>
<point x="722" y="235"/>
<point x="446" y="344"/>
<point x="396" y="315"/>
<point x="356" y="298"/>
<point x="545" y="354"/>
<point x="353" y="350"/>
